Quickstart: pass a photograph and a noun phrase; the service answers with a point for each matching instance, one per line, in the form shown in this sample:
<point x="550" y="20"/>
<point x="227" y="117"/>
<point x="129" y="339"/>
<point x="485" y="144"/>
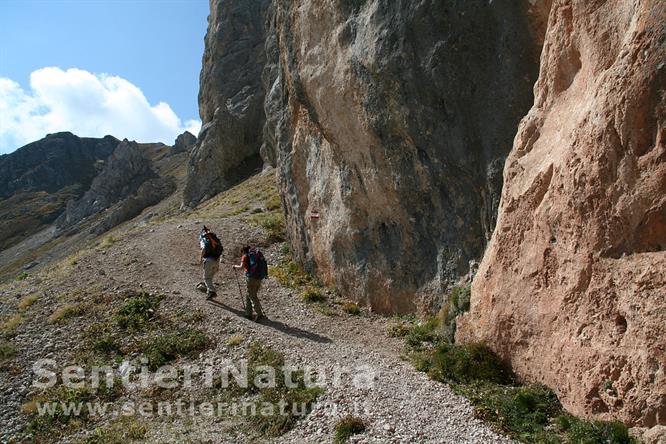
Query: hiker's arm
<point x="201" y="257"/>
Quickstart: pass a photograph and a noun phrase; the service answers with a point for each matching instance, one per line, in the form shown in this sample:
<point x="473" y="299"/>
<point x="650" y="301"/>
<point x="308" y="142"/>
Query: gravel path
<point x="401" y="405"/>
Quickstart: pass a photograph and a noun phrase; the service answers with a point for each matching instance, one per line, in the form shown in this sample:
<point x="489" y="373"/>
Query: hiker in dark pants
<point x="211" y="250"/>
<point x="249" y="263"/>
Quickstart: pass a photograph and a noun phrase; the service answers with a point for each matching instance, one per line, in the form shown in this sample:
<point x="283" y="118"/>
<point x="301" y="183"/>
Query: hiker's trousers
<point x="252" y="300"/>
<point x="210" y="267"/>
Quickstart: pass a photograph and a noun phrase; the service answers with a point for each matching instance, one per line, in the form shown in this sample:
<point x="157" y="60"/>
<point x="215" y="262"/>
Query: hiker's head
<point x="245" y="250"/>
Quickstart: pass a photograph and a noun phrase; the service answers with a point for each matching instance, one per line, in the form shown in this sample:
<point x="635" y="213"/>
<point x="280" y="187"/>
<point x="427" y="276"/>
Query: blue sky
<point x="113" y="65"/>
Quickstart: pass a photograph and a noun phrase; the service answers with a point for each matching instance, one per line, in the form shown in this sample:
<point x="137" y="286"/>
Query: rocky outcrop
<point x="126" y="186"/>
<point x="572" y="289"/>
<point x="231" y="98"/>
<point x="55" y="162"/>
<point x="184" y="142"/>
<point x="389" y="123"/>
<point x="37" y="180"/>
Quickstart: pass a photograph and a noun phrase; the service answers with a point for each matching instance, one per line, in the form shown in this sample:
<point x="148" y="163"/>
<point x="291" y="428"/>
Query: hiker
<point x="256" y="269"/>
<point x="211" y="250"/>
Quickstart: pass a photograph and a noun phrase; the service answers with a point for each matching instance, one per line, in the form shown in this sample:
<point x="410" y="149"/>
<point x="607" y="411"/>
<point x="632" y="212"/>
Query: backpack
<point x="257" y="267"/>
<point x="212" y="247"/>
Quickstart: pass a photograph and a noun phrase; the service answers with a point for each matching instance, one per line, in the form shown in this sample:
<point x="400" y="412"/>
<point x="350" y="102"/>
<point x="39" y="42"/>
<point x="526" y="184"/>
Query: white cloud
<point x="88" y="105"/>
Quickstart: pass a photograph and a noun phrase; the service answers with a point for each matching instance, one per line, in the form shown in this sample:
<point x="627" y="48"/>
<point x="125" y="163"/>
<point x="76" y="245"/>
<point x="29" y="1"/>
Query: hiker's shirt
<point x="245" y="262"/>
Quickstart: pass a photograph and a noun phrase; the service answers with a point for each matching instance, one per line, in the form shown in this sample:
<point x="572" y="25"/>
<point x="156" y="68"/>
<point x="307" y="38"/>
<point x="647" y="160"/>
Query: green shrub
<point x="348" y="426"/>
<point x="106" y="344"/>
<point x="398" y="329"/>
<point x="164" y="349"/>
<point x="596" y="432"/>
<point x="289" y="274"/>
<point x="312" y="294"/>
<point x="7" y="351"/>
<point x="68" y="311"/>
<point x="351" y="308"/>
<point x="276" y="424"/>
<point x="22" y="276"/>
<point x="273" y="222"/>
<point x="464" y="364"/>
<point x="422" y="334"/>
<point x="137" y="310"/>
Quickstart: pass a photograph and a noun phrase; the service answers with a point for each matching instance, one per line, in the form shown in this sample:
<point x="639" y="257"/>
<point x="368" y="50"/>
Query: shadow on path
<point x="277" y="325"/>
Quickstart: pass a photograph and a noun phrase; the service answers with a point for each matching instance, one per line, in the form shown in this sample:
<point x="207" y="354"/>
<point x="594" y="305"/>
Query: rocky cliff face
<point x="38" y="179"/>
<point x="572" y="289"/>
<point x="391" y="123"/>
<point x="231" y="99"/>
<point x="125" y="186"/>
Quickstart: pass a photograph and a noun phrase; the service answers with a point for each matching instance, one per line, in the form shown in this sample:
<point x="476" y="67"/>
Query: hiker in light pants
<point x="253" y="285"/>
<point x="211" y="250"/>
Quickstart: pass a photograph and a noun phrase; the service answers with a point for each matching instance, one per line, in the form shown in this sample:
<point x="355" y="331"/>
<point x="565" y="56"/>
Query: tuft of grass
<point x="137" y="310"/>
<point x="398" y="329"/>
<point x="423" y="334"/>
<point x="7" y="351"/>
<point x="27" y="301"/>
<point x="326" y="310"/>
<point x="272" y="222"/>
<point x="8" y="326"/>
<point x="351" y="308"/>
<point x="273" y="203"/>
<point x="106" y="344"/>
<point x="462" y="364"/>
<point x="528" y="413"/>
<point x="313" y="295"/>
<point x="22" y="276"/>
<point x="235" y="340"/>
<point x="458" y="303"/>
<point x="298" y="399"/>
<point x="118" y="432"/>
<point x="594" y="432"/>
<point x="347" y="427"/>
<point x="164" y="349"/>
<point x="290" y="274"/>
<point x="107" y="242"/>
<point x="56" y="422"/>
<point x="64" y="312"/>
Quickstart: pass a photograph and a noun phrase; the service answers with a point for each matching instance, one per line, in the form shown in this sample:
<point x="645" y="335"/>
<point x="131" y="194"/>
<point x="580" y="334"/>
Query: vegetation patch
<point x="7" y="352"/>
<point x="9" y="325"/>
<point x="27" y="301"/>
<point x="528" y="413"/>
<point x="107" y="242"/>
<point x="313" y="295"/>
<point x="67" y="410"/>
<point x="137" y="310"/>
<point x="122" y="431"/>
<point x="347" y="427"/>
<point x="272" y="222"/>
<point x="65" y="312"/>
<point x="235" y="340"/>
<point x="22" y="276"/>
<point x="294" y="397"/>
<point x="351" y="308"/>
<point x="458" y="303"/>
<point x="290" y="274"/>
<point x="164" y="349"/>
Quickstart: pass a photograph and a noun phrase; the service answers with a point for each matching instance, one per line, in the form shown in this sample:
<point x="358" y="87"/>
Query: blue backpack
<point x="257" y="265"/>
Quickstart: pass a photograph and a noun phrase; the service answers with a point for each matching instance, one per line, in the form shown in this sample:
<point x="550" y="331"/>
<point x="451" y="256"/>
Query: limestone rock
<point x="127" y="185"/>
<point x="184" y="142"/>
<point x="231" y="98"/>
<point x="390" y="123"/>
<point x="572" y="289"/>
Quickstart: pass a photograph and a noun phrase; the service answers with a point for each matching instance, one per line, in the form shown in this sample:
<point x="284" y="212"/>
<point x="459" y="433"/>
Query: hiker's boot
<point x="260" y="318"/>
<point x="211" y="295"/>
<point x="202" y="287"/>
